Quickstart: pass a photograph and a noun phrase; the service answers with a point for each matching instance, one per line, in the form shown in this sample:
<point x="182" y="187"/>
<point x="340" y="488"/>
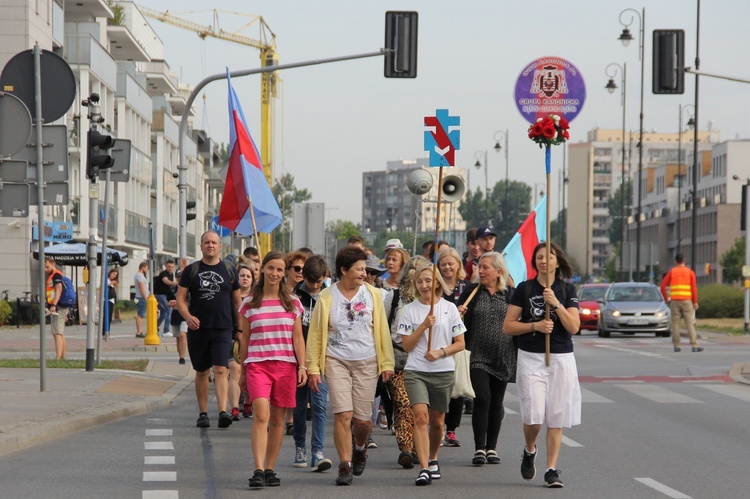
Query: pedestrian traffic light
<point x="401" y="44"/>
<point x="190" y="205"/>
<point x="98" y="157"/>
<point x="668" y="61"/>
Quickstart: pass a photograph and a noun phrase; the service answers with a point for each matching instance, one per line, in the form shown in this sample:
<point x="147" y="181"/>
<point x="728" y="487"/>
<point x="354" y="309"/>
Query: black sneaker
<point x="359" y="460"/>
<point x="203" y="421"/>
<point x="345" y="474"/>
<point x="434" y="469"/>
<point x="424" y="478"/>
<point x="528" y="470"/>
<point x="271" y="479"/>
<point x="225" y="420"/>
<point x="480" y="458"/>
<point x="492" y="457"/>
<point x="182" y="361"/>
<point x="697" y="349"/>
<point x="258" y="480"/>
<point x="405" y="460"/>
<point x="290" y="429"/>
<point x="552" y="479"/>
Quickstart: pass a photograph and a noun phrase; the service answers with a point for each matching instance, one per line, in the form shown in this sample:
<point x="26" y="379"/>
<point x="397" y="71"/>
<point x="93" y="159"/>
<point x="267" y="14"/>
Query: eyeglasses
<point x="372" y="272"/>
<point x="297" y="268"/>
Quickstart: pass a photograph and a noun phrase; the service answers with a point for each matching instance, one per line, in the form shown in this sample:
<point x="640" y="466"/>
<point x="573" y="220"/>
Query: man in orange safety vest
<point x="682" y="299"/>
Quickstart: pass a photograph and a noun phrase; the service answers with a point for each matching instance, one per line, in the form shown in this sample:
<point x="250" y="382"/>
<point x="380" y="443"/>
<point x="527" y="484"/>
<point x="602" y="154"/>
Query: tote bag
<point x="462" y="384"/>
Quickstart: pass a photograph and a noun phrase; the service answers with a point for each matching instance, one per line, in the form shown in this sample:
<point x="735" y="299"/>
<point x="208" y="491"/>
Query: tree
<point x="342" y="229"/>
<point x="556" y="228"/>
<point x="616" y="213"/>
<point x="407" y="239"/>
<point x="223" y="152"/>
<point x="475" y="209"/>
<point x="287" y="195"/>
<point x="733" y="260"/>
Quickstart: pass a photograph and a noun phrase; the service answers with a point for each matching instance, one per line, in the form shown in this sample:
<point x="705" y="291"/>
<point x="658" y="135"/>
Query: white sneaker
<point x="168" y="335"/>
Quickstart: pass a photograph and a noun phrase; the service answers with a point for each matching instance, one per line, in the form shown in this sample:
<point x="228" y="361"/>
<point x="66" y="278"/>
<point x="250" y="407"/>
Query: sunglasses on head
<point x="297" y="268"/>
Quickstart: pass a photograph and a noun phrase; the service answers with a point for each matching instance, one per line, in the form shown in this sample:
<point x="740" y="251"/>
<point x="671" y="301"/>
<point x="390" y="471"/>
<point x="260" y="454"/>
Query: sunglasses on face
<point x="297" y="268"/>
<point x="372" y="272"/>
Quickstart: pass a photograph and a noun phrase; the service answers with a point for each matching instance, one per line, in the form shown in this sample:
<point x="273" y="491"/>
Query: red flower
<point x="564" y="123"/>
<point x="566" y="134"/>
<point x="536" y="130"/>
<point x="549" y="131"/>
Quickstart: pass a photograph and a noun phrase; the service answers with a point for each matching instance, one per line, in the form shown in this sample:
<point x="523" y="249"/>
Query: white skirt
<point x="550" y="395"/>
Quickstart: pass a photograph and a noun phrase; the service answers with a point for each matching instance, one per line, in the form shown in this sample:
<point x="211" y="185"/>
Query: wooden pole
<point x="548" y="160"/>
<point x="434" y="253"/>
<point x="255" y="228"/>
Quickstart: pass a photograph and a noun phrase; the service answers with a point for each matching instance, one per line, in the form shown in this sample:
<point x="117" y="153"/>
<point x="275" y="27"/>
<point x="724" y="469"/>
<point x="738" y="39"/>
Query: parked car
<point x="589" y="296"/>
<point x="630" y="307"/>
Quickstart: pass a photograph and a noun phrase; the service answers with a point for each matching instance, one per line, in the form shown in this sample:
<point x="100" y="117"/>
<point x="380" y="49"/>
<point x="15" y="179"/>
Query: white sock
<point x="359" y="447"/>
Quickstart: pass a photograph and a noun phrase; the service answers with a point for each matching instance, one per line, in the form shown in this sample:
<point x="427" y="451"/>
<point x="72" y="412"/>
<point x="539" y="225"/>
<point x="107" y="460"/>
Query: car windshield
<point x="591" y="294"/>
<point x="634" y="294"/>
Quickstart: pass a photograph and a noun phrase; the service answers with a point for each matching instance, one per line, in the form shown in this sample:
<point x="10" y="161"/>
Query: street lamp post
<point x="626" y="37"/>
<point x="690" y="124"/>
<point x="696" y="174"/>
<point x="478" y="165"/>
<point x="499" y="135"/>
<point x="611" y="86"/>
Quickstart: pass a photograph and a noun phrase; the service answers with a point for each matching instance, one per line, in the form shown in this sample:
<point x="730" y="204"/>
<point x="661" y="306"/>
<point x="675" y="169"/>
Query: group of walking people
<point x="308" y="341"/>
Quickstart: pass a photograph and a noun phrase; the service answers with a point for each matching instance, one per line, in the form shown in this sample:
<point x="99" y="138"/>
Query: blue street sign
<point x="222" y="231"/>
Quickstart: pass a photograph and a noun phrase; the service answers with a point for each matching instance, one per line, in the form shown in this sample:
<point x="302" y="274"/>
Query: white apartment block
<point x="141" y="100"/>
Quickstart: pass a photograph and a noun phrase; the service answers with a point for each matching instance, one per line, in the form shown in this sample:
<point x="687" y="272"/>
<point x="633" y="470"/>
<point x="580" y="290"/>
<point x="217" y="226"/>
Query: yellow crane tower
<point x="268" y="57"/>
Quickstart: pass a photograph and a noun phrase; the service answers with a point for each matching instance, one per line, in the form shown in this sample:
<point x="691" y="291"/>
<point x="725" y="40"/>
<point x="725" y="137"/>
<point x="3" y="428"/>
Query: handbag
<point x="462" y="383"/>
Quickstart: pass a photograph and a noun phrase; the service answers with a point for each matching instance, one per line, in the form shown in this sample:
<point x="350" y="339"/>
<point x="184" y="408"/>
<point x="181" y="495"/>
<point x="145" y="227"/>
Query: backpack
<point x="68" y="296"/>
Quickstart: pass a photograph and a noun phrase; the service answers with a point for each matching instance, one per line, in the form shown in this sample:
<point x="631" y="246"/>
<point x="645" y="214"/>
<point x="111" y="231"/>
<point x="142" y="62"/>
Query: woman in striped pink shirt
<point x="273" y="352"/>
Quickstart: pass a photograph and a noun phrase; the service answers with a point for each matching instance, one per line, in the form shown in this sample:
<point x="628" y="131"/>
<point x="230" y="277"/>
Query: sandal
<point x="480" y="458"/>
<point x="424" y="478"/>
<point x="492" y="457"/>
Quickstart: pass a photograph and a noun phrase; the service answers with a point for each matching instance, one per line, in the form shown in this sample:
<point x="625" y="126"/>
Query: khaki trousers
<point x="683" y="309"/>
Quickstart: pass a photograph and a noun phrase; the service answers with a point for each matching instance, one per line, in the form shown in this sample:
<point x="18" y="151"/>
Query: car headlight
<point x="614" y="313"/>
<point x="661" y="313"/>
<point x="585" y="311"/>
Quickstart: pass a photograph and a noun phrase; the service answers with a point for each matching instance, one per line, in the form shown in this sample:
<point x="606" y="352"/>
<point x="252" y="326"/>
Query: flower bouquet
<point x="551" y="130"/>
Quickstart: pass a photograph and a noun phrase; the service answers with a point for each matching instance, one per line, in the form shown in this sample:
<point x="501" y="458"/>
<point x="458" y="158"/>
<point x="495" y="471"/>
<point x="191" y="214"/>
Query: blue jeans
<point x="164" y="312"/>
<point x="318" y="406"/>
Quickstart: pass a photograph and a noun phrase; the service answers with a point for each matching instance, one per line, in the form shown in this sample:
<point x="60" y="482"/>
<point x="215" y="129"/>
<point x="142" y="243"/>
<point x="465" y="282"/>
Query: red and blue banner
<point x="518" y="251"/>
<point x="443" y="141"/>
<point x="245" y="181"/>
<point x="550" y="85"/>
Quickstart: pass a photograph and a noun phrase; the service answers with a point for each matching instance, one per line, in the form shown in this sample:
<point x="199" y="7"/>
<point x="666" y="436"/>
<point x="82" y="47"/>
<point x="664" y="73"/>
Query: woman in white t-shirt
<point x="429" y="370"/>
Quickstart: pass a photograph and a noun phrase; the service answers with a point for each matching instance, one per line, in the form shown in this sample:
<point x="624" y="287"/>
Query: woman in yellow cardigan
<point x="349" y="343"/>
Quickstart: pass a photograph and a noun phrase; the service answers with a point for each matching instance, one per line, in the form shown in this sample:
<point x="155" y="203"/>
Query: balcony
<point x="160" y="79"/>
<point x="136" y="228"/>
<point x="82" y="48"/>
<point x="87" y="9"/>
<point x="171" y="237"/>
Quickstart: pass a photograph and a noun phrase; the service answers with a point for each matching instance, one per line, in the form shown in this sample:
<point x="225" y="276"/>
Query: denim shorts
<point x="140" y="307"/>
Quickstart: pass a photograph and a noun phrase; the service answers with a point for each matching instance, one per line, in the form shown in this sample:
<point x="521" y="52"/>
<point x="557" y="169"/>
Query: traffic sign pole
<point x="40" y="214"/>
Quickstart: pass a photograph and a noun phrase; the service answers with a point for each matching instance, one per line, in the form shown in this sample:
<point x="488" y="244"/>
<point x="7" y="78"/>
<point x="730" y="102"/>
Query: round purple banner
<point x="550" y="85"/>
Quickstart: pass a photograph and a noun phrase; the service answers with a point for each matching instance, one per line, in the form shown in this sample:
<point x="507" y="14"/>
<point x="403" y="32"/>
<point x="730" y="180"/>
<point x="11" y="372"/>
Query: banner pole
<point x="434" y="253"/>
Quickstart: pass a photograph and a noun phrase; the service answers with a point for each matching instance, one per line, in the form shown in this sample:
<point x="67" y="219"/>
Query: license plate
<point x="637" y="322"/>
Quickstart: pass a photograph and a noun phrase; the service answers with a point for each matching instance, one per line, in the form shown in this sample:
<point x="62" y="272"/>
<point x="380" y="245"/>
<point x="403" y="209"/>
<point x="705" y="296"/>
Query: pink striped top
<point x="271" y="329"/>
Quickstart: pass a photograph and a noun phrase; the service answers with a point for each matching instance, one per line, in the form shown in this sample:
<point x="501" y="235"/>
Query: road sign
<point x="550" y="85"/>
<point x="55" y="194"/>
<point x="14" y="200"/>
<point x="221" y="230"/>
<point x="746" y="271"/>
<point x="15" y="123"/>
<point x="14" y="171"/>
<point x="58" y="83"/>
<point x="441" y="142"/>
<point x="54" y="152"/>
<point x="120" y="152"/>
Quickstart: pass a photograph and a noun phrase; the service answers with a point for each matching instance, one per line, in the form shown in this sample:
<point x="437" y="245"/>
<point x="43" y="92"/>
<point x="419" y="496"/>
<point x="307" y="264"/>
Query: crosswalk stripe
<point x="160" y="494"/>
<point x="658" y="394"/>
<point x="159" y="476"/>
<point x="158" y="460"/>
<point x="736" y="391"/>
<point x="660" y="487"/>
<point x="590" y="397"/>
<point x="158" y="421"/>
<point x="159" y="446"/>
<point x="159" y="433"/>
<point x="570" y="442"/>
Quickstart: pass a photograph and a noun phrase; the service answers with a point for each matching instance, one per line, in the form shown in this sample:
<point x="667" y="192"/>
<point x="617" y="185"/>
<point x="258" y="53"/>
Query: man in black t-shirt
<point x="211" y="313"/>
<point x="163" y="284"/>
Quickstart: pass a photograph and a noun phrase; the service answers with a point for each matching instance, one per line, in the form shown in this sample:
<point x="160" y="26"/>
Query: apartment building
<point x="112" y="51"/>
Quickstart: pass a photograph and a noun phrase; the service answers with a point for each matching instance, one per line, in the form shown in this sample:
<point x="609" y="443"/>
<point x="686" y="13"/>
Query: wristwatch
<point x="559" y="304"/>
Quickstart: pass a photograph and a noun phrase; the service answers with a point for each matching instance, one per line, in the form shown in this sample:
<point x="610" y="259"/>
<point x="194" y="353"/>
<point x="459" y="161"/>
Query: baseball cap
<point x="393" y="244"/>
<point x="373" y="263"/>
<point x="484" y="232"/>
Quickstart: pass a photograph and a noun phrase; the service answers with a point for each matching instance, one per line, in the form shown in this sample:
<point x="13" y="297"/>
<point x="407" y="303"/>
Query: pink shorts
<point x="274" y="380"/>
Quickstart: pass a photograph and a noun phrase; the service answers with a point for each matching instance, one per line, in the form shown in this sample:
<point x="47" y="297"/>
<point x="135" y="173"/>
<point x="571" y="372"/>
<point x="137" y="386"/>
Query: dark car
<point x="631" y="307"/>
<point x="589" y="296"/>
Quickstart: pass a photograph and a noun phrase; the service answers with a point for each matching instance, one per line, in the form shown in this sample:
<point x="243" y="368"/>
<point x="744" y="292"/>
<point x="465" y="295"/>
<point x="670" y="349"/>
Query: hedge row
<point x="719" y="301"/>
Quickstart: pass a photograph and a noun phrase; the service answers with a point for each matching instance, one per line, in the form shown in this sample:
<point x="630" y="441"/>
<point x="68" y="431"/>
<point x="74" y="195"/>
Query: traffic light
<point x="190" y="205"/>
<point x="668" y="61"/>
<point x="98" y="155"/>
<point x="401" y="43"/>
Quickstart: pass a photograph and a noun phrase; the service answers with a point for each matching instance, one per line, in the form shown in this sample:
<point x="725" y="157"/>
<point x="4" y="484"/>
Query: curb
<point x="735" y="372"/>
<point x="90" y="417"/>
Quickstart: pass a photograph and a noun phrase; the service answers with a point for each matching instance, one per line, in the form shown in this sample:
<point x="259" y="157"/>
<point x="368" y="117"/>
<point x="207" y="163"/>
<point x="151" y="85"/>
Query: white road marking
<point x="160" y="494"/>
<point x="158" y="460"/>
<point x="658" y="394"/>
<point x="158" y="433"/>
<point x="159" y="476"/>
<point x="593" y="398"/>
<point x="570" y="442"/>
<point x="510" y="411"/>
<point x="158" y="420"/>
<point x="660" y="487"/>
<point x="638" y="352"/>
<point x="159" y="446"/>
<point x="740" y="392"/>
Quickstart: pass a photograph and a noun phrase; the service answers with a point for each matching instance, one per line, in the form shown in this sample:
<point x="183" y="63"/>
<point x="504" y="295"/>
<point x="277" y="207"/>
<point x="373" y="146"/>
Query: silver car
<point x="630" y="308"/>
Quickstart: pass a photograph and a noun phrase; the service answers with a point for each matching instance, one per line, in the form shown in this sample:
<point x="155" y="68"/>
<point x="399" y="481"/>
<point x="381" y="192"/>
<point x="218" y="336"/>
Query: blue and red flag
<point x="518" y="251"/>
<point x="245" y="181"/>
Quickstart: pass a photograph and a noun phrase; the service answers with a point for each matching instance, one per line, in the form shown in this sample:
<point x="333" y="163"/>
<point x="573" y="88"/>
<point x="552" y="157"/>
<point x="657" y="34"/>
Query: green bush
<point x="719" y="301"/>
<point x="125" y="305"/>
<point x="6" y="312"/>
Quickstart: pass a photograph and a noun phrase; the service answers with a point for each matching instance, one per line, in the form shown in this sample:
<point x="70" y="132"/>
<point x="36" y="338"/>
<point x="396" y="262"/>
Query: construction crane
<point x="268" y="57"/>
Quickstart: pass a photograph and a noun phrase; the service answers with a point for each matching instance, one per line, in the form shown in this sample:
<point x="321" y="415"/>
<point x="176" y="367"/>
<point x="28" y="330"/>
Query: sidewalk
<point x="76" y="399"/>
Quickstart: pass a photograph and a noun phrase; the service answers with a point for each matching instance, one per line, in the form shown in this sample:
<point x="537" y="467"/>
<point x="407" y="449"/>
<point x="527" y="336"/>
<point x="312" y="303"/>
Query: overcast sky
<point x="337" y="120"/>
